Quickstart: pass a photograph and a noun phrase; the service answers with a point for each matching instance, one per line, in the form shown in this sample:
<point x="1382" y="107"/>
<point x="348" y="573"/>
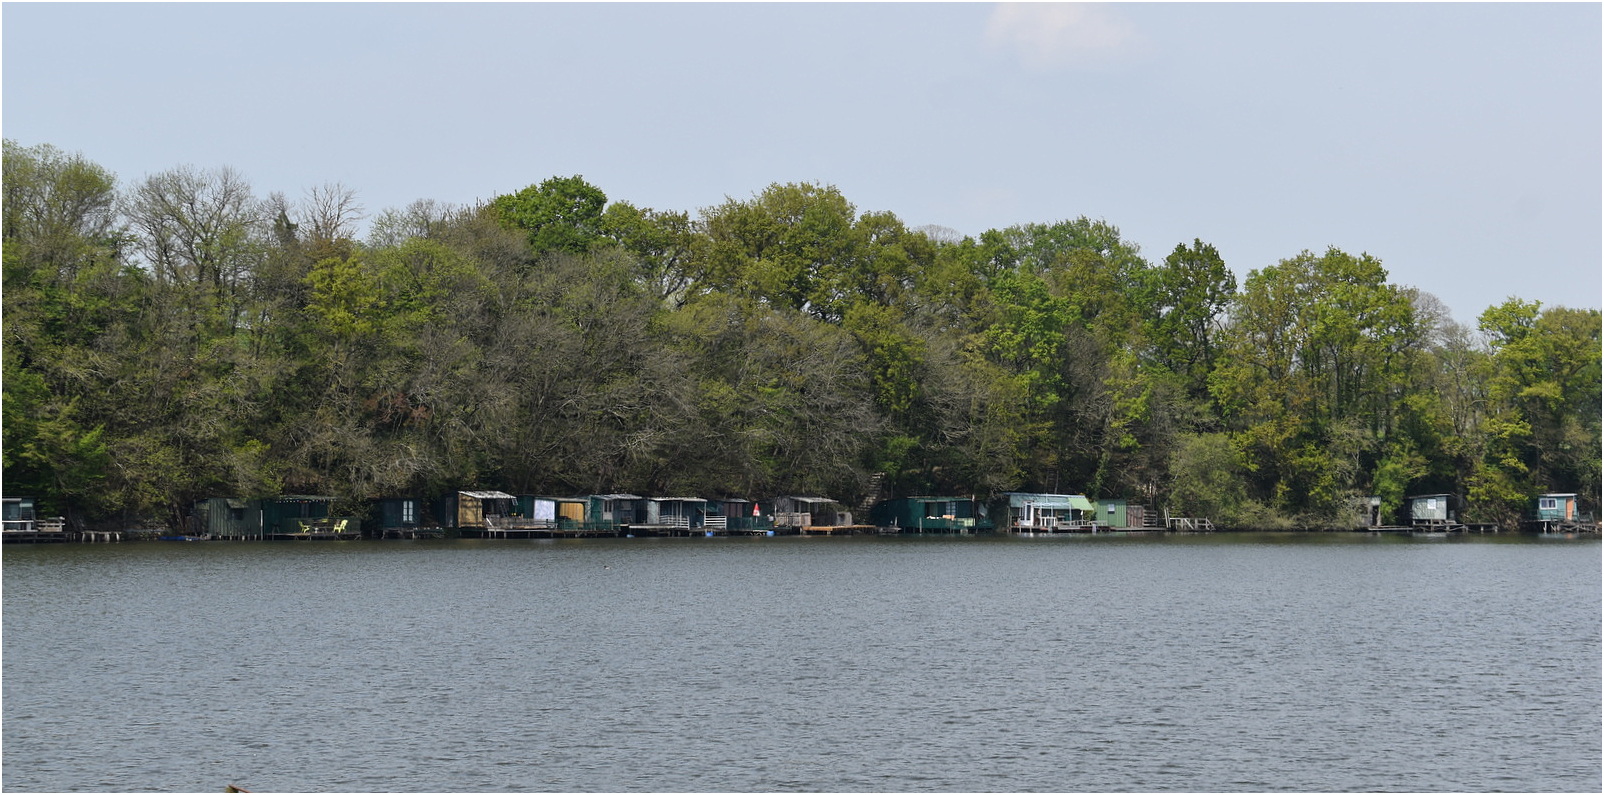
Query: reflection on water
<point x="1194" y="663"/>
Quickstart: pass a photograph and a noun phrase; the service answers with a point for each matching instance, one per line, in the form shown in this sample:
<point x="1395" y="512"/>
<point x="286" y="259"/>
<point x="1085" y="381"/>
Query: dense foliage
<point x="181" y="338"/>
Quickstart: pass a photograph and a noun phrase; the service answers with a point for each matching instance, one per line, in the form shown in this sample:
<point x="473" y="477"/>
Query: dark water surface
<point x="1190" y="663"/>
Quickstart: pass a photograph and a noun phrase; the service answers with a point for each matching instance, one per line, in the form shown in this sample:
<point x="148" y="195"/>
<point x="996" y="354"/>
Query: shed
<point x="18" y="515"/>
<point x="735" y="514"/>
<point x="293" y="515"/>
<point x="565" y="512"/>
<point x="686" y="512"/>
<point x="226" y="517"/>
<point x="1365" y="511"/>
<point x="398" y="513"/>
<point x="1556" y="508"/>
<point x="798" y="512"/>
<point x="615" y="510"/>
<point x="1431" y="509"/>
<point x="467" y="510"/>
<point x="932" y="514"/>
<point x="1113" y="513"/>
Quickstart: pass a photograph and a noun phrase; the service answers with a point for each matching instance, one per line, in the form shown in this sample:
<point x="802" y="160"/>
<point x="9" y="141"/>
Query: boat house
<point x="284" y="517"/>
<point x="675" y="514"/>
<point x="475" y="510"/>
<point x="1433" y="512"/>
<point x="552" y="512"/>
<point x="19" y="521"/>
<point x="1556" y="508"/>
<point x="403" y="517"/>
<point x="811" y="515"/>
<point x="1121" y="514"/>
<point x="1047" y="513"/>
<point x="931" y="515"/>
<point x="1559" y="513"/>
<point x="737" y="516"/>
<point x="614" y="511"/>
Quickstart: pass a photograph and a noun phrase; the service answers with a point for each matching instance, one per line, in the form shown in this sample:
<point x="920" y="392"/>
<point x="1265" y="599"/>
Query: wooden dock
<point x="36" y="531"/>
<point x="837" y="530"/>
<point x="1186" y="524"/>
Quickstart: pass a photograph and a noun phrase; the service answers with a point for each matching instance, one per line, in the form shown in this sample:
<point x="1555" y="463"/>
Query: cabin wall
<point x="227" y="518"/>
<point x="1113" y="513"/>
<point x="400" y="513"/>
<point x="1429" y="508"/>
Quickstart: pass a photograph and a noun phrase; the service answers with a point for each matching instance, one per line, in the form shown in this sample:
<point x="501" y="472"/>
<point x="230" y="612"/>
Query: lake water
<point x="1229" y="662"/>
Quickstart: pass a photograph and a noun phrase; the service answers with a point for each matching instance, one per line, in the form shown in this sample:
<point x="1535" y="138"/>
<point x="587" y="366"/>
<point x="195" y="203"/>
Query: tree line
<point x="181" y="337"/>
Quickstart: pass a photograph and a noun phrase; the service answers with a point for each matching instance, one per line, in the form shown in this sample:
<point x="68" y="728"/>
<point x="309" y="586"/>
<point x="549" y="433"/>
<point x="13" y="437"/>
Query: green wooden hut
<point x="226" y="517"/>
<point x="1556" y="508"/>
<point x="614" y="511"/>
<point x="931" y="515"/>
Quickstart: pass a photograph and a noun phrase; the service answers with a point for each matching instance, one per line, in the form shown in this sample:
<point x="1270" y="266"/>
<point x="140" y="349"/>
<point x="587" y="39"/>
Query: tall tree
<point x="1191" y="291"/>
<point x="560" y="214"/>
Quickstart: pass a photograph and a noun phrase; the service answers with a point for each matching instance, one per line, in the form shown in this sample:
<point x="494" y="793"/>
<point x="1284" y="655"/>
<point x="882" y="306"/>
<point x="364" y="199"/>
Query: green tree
<point x="1191" y="291"/>
<point x="1544" y="390"/>
<point x="1312" y="365"/>
<point x="560" y="214"/>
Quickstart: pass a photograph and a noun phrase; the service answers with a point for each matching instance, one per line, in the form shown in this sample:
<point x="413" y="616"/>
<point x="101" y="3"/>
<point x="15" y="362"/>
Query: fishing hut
<point x="614" y="512"/>
<point x="931" y="515"/>
<point x="554" y="516"/>
<point x="301" y="517"/>
<point x="673" y="516"/>
<point x="20" y="523"/>
<point x="473" y="512"/>
<point x="1364" y="513"/>
<point x="1557" y="513"/>
<point x="403" y="517"/>
<point x="738" y="517"/>
<point x="286" y="517"/>
<point x="814" y="516"/>
<point x="225" y="517"/>
<point x="1433" y="514"/>
<point x="1047" y="513"/>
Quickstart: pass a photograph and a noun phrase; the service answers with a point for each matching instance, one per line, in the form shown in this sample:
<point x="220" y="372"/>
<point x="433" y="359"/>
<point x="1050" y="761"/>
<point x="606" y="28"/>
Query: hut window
<point x="409" y="511"/>
<point x="1547" y="503"/>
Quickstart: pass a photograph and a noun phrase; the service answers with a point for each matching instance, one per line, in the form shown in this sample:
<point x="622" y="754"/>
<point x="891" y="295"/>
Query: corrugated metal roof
<point x="1051" y="501"/>
<point x="810" y="500"/>
<point x="678" y="499"/>
<point x="618" y="496"/>
<point x="488" y="495"/>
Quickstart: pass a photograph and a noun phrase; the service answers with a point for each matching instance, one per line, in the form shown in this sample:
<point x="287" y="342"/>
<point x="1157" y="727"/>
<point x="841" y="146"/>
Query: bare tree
<point x="330" y="213"/>
<point x="199" y="229"/>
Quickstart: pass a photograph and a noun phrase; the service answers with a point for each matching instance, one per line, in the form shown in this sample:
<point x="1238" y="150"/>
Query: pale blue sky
<point x="1459" y="143"/>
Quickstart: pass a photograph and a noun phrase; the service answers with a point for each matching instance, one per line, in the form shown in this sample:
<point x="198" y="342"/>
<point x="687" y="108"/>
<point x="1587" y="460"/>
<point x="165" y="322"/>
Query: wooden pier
<point x="837" y="530"/>
<point x="323" y="529"/>
<point x="413" y="532"/>
<point x="36" y="531"/>
<point x="1186" y="524"/>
